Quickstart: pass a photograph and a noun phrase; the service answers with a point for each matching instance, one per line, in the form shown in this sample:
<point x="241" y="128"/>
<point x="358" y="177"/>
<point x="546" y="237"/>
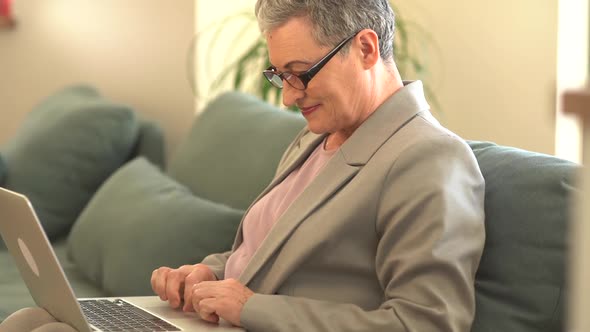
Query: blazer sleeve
<point x="216" y="263"/>
<point x="430" y="229"/>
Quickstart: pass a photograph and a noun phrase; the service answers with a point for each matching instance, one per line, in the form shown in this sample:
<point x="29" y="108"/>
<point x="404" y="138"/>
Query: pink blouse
<point x="264" y="213"/>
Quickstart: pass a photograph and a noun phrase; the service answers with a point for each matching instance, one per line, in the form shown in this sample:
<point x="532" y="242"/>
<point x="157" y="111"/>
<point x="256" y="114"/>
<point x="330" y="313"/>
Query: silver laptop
<point x="47" y="283"/>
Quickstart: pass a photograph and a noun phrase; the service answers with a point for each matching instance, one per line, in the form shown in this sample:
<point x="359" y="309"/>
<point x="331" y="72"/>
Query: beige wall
<point x="495" y="74"/>
<point x="496" y="70"/>
<point x="133" y="51"/>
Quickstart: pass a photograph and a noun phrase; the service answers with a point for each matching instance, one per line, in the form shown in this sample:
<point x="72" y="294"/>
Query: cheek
<point x="339" y="93"/>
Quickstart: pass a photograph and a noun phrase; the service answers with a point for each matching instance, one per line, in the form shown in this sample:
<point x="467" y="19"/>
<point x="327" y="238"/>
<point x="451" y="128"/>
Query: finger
<point x="153" y="281"/>
<point x="208" y="310"/>
<point x="200" y="272"/>
<point x="194" y="303"/>
<point x="210" y="286"/>
<point x="175" y="284"/>
<point x="206" y="289"/>
<point x="203" y="290"/>
<point x="213" y="289"/>
<point x="225" y="299"/>
<point x="197" y="275"/>
<point x="188" y="304"/>
<point x="195" y="298"/>
<point x="188" y="298"/>
<point x="159" y="282"/>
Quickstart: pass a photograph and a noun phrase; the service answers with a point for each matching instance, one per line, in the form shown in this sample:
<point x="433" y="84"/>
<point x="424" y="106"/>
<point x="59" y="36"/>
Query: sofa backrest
<point x="520" y="283"/>
<point x="233" y="149"/>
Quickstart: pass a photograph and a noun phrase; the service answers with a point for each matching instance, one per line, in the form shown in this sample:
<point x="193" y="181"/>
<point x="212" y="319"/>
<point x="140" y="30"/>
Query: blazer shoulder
<point x="426" y="130"/>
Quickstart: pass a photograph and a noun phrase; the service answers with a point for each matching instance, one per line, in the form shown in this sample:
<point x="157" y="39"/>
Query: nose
<point x="291" y="95"/>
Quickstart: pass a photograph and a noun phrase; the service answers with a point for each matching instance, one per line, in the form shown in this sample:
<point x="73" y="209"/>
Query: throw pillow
<point x="520" y="280"/>
<point x="141" y="219"/>
<point x="233" y="148"/>
<point x="68" y="145"/>
<point x="150" y="143"/>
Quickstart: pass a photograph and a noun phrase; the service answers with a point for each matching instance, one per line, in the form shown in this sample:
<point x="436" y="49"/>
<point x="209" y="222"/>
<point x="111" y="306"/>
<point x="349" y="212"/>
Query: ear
<point x="369" y="42"/>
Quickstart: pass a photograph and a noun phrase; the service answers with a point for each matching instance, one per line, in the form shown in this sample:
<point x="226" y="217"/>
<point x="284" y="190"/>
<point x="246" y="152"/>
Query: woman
<point x="374" y="220"/>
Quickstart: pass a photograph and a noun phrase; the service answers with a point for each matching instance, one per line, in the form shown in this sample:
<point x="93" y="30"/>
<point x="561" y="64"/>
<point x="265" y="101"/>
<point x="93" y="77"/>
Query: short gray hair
<point x="333" y="20"/>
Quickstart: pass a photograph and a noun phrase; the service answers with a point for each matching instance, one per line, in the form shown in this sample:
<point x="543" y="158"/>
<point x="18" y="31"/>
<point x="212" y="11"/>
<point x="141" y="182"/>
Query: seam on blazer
<point x="385" y="181"/>
<point x="378" y="207"/>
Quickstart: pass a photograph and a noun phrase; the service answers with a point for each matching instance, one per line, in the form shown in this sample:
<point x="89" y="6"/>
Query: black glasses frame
<point x="301" y="81"/>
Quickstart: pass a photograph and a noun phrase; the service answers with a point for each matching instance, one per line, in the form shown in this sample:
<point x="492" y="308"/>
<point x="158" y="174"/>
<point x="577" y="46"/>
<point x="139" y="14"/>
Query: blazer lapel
<point x="300" y="153"/>
<point x="334" y="175"/>
<point x="305" y="146"/>
<point x="387" y="120"/>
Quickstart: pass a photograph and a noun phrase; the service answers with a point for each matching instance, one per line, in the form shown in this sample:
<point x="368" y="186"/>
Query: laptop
<point x="38" y="265"/>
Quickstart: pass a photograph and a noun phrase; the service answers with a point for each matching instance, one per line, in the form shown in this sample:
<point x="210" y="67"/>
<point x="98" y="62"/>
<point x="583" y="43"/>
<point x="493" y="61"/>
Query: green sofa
<point x="145" y="214"/>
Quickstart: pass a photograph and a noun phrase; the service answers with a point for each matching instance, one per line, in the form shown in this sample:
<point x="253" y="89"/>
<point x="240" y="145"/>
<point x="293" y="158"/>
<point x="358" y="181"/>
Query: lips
<point x="309" y="110"/>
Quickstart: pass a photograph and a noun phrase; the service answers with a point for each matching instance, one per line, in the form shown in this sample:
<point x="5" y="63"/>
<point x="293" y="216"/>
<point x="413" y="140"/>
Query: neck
<point x="392" y="82"/>
<point x="383" y="82"/>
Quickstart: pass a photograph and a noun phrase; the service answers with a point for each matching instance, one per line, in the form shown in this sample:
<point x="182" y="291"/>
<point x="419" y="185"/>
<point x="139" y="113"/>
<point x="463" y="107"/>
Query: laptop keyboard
<point x="118" y="315"/>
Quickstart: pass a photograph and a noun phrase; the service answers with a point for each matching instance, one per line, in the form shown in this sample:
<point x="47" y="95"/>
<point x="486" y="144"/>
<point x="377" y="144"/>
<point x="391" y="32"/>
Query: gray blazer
<point x="388" y="237"/>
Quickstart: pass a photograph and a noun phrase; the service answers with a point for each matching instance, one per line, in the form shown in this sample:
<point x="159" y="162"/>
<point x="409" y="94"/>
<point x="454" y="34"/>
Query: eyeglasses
<point x="300" y="81"/>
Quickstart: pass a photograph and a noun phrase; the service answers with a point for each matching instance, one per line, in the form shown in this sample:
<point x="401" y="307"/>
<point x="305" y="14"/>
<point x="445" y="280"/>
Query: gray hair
<point x="333" y="20"/>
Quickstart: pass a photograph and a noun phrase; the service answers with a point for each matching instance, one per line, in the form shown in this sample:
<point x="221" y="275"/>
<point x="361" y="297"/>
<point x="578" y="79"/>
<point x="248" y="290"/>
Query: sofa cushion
<point x="67" y="146"/>
<point x="150" y="143"/>
<point x="141" y="219"/>
<point x="233" y="149"/>
<point x="520" y="280"/>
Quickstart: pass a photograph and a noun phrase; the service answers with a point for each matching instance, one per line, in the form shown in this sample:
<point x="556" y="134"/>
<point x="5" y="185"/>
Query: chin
<point x="314" y="128"/>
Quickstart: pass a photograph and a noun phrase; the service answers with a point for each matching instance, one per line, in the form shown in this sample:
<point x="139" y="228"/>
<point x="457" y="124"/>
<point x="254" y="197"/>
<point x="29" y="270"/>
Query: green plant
<point x="413" y="48"/>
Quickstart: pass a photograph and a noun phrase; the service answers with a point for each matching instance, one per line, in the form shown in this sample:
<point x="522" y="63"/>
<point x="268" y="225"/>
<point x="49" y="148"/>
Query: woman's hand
<point x="225" y="299"/>
<point x="176" y="285"/>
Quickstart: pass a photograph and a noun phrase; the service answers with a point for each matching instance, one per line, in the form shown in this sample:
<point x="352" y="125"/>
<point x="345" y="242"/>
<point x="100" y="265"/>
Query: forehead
<point x="292" y="42"/>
